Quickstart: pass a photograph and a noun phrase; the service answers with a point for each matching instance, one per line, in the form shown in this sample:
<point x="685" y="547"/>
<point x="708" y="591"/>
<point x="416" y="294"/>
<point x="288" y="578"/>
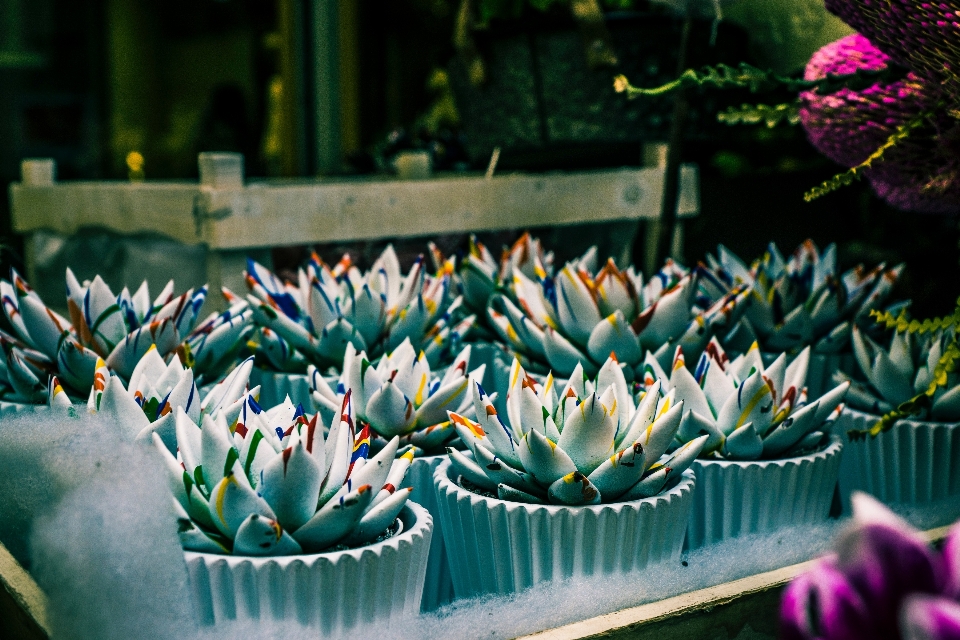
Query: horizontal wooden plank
<point x="23" y="606"/>
<point x="749" y="603"/>
<point x="284" y="213"/>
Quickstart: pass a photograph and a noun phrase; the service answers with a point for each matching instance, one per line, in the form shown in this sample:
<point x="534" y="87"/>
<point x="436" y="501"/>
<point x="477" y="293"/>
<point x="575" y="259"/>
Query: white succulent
<point x="400" y="395"/>
<point x="273" y="485"/>
<point x="804" y="299"/>
<point x="157" y="390"/>
<point x="896" y="374"/>
<point x="115" y="328"/>
<point x="587" y="445"/>
<point x="748" y="411"/>
<point x="331" y="309"/>
<point x="576" y="319"/>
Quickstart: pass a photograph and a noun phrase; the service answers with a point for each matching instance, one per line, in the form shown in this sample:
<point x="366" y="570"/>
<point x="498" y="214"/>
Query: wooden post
<point x="663" y="228"/>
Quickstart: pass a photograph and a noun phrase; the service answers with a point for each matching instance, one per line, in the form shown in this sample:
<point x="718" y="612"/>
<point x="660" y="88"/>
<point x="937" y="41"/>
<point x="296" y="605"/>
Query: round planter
<point x="496" y="546"/>
<point x="736" y="498"/>
<point x="914" y="462"/>
<point x="275" y="386"/>
<point x="333" y="592"/>
<point x="438" y="586"/>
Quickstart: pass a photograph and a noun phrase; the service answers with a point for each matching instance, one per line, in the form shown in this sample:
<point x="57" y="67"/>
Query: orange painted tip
<point x="491" y="411"/>
<point x="613" y="356"/>
<point x="363" y="489"/>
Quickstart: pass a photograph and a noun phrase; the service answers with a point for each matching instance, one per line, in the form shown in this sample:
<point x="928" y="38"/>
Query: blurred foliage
<point x="516" y="9"/>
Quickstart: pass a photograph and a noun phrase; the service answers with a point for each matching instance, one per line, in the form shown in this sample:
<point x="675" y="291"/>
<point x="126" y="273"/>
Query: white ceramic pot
<point x="332" y="592"/>
<point x="497" y="546"/>
<point x="913" y="462"/>
<point x="275" y="386"/>
<point x="438" y="587"/>
<point x="735" y="498"/>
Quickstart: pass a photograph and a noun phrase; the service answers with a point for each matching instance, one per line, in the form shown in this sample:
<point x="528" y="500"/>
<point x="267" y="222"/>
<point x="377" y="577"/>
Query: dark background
<point x="85" y="82"/>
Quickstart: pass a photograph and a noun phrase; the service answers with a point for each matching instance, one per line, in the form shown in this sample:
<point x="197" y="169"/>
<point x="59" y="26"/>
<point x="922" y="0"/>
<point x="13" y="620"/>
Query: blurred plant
<point x="885" y="109"/>
<point x="882" y="581"/>
<point x="488" y="10"/>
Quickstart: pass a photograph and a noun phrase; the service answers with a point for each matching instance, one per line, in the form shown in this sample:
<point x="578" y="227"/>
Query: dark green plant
<point x="755" y="114"/>
<point x="949" y="363"/>
<point x="514" y="9"/>
<point x="745" y="76"/>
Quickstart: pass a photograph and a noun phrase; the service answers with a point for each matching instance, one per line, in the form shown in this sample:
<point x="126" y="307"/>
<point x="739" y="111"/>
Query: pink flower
<point x="884" y="581"/>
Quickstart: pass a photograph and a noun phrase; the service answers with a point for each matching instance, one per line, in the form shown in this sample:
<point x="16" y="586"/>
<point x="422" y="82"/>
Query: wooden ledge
<point x="747" y="608"/>
<point x="23" y="606"/>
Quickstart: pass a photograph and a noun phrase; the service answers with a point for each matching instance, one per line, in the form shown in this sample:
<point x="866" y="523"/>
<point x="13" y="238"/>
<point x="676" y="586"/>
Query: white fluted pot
<point x="333" y="592"/>
<point x="913" y="462"/>
<point x="438" y="586"/>
<point x="275" y="386"/>
<point x="497" y="546"/>
<point x="736" y="498"/>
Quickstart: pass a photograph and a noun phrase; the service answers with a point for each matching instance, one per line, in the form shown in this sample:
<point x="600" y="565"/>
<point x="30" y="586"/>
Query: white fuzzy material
<point x="105" y="549"/>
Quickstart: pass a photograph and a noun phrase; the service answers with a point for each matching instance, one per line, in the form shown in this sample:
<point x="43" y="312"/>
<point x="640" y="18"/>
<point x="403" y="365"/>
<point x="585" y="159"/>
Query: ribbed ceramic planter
<point x="913" y="462"/>
<point x="333" y="592"/>
<point x="736" y="498"/>
<point x="821" y="369"/>
<point x="496" y="546"/>
<point x="275" y="386"/>
<point x="438" y="586"/>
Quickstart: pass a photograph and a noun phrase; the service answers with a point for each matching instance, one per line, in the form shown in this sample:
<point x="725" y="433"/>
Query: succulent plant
<point x="578" y="319"/>
<point x="157" y="390"/>
<point x="883" y="580"/>
<point x="481" y="275"/>
<point x="802" y="300"/>
<point x="587" y="445"/>
<point x="212" y="347"/>
<point x="899" y="373"/>
<point x="331" y="309"/>
<point x="119" y="329"/>
<point x="748" y="411"/>
<point x="400" y="396"/>
<point x="273" y="485"/>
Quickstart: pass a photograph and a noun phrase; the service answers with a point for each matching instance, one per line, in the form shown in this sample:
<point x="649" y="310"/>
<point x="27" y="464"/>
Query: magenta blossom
<point x="883" y="581"/>
<point x="920" y="173"/>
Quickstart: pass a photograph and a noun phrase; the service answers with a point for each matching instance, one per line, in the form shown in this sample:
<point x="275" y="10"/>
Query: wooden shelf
<point x="749" y="603"/>
<point x="263" y="214"/>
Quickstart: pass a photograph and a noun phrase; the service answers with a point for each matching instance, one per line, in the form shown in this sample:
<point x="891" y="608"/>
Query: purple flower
<point x="823" y="604"/>
<point x="925" y="617"/>
<point x="884" y="581"/>
<point x="920" y="172"/>
<point x="922" y="36"/>
<point x="951" y="557"/>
